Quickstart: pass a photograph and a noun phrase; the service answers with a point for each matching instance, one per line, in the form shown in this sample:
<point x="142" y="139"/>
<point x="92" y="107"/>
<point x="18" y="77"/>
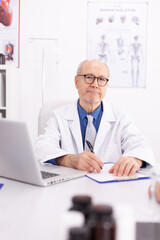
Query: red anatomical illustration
<point x="5" y="13"/>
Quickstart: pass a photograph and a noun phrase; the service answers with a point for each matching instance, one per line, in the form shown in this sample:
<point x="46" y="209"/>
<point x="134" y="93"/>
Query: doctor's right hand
<point x="86" y="161"/>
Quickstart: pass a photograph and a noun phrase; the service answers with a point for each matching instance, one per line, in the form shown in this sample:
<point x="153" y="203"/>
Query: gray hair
<point x="83" y="62"/>
<point x="80" y="66"/>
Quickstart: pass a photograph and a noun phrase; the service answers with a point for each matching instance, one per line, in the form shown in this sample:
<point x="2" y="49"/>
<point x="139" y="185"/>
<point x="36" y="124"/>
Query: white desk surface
<point x="29" y="212"/>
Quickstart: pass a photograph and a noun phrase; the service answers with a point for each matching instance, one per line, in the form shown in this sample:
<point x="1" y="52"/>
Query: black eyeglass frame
<point x="85" y="75"/>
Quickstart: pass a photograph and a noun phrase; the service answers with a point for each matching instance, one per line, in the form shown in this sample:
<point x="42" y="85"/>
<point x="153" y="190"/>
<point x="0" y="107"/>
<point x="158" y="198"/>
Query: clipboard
<point x="105" y="177"/>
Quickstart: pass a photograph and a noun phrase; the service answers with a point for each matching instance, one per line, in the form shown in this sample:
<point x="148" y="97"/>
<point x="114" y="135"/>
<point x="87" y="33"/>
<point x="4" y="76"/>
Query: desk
<point x="29" y="212"/>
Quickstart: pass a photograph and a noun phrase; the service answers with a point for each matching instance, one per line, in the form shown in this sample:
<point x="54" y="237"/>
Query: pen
<point x="90" y="147"/>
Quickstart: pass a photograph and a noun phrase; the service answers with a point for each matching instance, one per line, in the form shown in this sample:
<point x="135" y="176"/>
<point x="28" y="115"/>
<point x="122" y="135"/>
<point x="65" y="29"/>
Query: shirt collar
<point x="95" y="113"/>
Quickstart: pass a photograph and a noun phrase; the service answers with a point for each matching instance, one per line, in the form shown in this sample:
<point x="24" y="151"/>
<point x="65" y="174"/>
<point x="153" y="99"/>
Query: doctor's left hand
<point x="126" y="166"/>
<point x="155" y="191"/>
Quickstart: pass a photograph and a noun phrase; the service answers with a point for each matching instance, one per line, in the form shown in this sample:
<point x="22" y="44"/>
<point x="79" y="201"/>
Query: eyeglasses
<point x="89" y="78"/>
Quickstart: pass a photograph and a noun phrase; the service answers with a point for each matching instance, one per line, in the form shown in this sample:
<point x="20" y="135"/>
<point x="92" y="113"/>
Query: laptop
<point x="18" y="161"/>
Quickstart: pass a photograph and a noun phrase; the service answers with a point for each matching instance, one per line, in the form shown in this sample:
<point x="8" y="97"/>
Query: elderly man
<point x="115" y="137"/>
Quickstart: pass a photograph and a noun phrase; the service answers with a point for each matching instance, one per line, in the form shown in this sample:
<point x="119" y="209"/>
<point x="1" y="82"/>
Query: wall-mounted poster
<point x="117" y="34"/>
<point x="9" y="31"/>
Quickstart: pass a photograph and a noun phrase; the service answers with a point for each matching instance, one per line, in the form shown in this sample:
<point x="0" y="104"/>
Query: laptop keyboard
<point x="46" y="175"/>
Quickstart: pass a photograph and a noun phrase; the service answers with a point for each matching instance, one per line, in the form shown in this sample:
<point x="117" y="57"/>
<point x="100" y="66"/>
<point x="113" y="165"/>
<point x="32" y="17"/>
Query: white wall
<point x="66" y="20"/>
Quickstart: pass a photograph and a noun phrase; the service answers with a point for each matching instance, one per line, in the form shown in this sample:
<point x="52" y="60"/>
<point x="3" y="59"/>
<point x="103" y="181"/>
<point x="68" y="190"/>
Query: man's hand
<point x="86" y="161"/>
<point x="126" y="166"/>
<point x="156" y="191"/>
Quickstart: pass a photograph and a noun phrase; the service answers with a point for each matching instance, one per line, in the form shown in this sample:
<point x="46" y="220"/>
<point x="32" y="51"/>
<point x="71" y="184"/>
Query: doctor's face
<point x="92" y="93"/>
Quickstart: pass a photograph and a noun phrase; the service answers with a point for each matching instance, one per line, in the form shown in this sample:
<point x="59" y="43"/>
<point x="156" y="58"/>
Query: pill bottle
<point x="78" y="233"/>
<point x="101" y="223"/>
<point x="81" y="203"/>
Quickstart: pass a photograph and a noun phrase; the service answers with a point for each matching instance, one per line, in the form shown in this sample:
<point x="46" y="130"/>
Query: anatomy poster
<point x="117" y="34"/>
<point x="9" y="31"/>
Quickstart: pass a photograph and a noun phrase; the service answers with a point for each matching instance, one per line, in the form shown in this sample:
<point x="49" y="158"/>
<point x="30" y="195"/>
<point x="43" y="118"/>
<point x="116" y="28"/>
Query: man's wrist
<point x="64" y="161"/>
<point x="69" y="160"/>
<point x="60" y="160"/>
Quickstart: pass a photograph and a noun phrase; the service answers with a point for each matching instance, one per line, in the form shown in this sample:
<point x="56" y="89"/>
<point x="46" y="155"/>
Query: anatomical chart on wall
<point x="9" y="31"/>
<point x="117" y="35"/>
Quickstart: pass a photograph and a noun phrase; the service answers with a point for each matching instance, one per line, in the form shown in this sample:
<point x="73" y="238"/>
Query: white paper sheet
<point x="105" y="176"/>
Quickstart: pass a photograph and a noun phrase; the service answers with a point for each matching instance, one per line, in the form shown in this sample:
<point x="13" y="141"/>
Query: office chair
<point x="45" y="113"/>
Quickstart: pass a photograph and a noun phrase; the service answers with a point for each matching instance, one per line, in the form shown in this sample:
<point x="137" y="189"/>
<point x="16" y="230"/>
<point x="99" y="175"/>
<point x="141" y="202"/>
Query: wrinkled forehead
<point x="95" y="67"/>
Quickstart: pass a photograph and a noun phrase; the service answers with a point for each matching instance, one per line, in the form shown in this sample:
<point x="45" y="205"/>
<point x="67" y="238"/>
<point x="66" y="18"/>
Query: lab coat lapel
<point x="74" y="125"/>
<point x="106" y="123"/>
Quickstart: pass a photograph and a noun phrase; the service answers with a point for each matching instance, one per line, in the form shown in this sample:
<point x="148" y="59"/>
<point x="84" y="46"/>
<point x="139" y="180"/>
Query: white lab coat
<point x="117" y="136"/>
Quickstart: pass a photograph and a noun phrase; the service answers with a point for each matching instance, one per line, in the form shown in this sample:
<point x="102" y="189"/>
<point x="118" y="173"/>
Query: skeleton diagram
<point x="136" y="56"/>
<point x="103" y="49"/>
<point x="120" y="44"/>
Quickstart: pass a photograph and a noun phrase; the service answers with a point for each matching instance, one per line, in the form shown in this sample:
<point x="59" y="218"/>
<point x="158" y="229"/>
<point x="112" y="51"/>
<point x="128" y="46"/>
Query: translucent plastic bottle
<point x="70" y="219"/>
